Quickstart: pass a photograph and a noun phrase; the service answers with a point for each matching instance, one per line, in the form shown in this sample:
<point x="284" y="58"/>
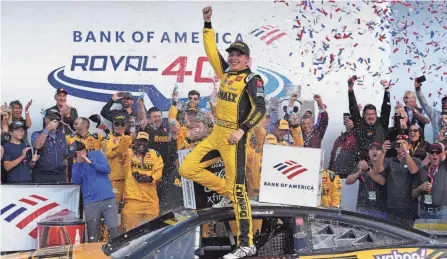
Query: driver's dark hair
<point x="153" y="109"/>
<point x="194" y="92"/>
<point x="369" y="107"/>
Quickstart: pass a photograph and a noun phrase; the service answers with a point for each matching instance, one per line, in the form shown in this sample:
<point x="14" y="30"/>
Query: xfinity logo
<point x="419" y="254"/>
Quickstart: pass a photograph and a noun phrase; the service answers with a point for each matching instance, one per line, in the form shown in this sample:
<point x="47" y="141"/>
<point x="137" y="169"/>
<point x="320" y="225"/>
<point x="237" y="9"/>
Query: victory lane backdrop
<point x="95" y="49"/>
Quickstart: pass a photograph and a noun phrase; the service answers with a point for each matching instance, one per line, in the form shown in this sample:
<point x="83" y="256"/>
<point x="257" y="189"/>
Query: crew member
<point x="141" y="202"/>
<point x="240" y="106"/>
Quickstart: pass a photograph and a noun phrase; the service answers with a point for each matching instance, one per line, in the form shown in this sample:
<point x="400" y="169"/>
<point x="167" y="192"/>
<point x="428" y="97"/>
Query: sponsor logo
<point x="291" y="186"/>
<point x="33" y="207"/>
<point x="290" y="168"/>
<point x="419" y="254"/>
<point x="144" y="167"/>
<point x="268" y="34"/>
<point x="161" y="139"/>
<point x="262" y="212"/>
<point x="226" y="96"/>
<point x="148" y="65"/>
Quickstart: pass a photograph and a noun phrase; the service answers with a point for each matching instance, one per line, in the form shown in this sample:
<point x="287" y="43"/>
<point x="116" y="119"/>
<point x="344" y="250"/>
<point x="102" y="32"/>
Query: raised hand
<point x="28" y="105"/>
<point x="207" y="12"/>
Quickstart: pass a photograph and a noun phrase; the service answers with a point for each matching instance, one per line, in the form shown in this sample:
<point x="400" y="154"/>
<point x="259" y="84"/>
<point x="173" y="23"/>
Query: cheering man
<point x="240" y="106"/>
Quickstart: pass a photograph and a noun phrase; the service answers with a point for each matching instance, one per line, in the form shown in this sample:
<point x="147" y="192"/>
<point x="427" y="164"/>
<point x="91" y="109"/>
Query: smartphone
<point x="346" y="114"/>
<point x="395" y="145"/>
<point x="420" y="79"/>
<point x="120" y="94"/>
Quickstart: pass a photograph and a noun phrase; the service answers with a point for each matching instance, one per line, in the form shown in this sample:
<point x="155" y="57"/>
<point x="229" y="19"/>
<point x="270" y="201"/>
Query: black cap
<point x="61" y="90"/>
<point x="75" y="146"/>
<point x="127" y="95"/>
<point x="241" y="46"/>
<point x="119" y="117"/>
<point x="16" y="125"/>
<point x="435" y="146"/>
<point x="375" y="145"/>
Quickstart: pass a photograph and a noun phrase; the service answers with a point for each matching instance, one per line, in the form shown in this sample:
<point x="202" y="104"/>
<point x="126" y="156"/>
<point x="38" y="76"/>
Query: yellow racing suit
<point x="240" y="105"/>
<point x="116" y="147"/>
<point x="92" y="141"/>
<point x="254" y="157"/>
<point x="141" y="202"/>
<point x="297" y="136"/>
<point x="331" y="189"/>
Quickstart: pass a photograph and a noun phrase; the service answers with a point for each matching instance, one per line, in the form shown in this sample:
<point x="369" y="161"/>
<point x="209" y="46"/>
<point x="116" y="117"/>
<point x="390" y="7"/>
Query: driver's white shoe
<point x="222" y="203"/>
<point x="241" y="252"/>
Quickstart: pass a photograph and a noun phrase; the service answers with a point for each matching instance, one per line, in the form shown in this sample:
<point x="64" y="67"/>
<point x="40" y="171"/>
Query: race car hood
<point x="81" y="251"/>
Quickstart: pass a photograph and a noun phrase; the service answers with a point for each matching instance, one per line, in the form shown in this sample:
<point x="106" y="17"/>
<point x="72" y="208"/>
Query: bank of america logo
<point x="268" y="34"/>
<point x="290" y="168"/>
<point x="26" y="211"/>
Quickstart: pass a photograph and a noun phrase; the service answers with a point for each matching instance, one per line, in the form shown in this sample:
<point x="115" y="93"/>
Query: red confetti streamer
<point x="281" y="1"/>
<point x="358" y="20"/>
<point x="395" y="50"/>
<point x="355" y="45"/>
<point x="338" y="9"/>
<point x="429" y="95"/>
<point x="315" y="71"/>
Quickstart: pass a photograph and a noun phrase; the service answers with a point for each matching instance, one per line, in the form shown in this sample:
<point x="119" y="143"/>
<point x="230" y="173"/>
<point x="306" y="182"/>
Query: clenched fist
<point x="207" y="12"/>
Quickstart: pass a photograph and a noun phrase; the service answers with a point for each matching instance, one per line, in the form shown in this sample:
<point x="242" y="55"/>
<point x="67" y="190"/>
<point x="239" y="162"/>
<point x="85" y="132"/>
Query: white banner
<point x="291" y="175"/>
<point x="196" y="196"/>
<point x="189" y="200"/>
<point x="23" y="206"/>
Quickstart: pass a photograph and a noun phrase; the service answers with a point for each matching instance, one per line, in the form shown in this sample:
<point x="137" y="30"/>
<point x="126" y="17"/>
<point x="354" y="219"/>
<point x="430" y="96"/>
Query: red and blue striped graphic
<point x="35" y="204"/>
<point x="290" y="168"/>
<point x="268" y="34"/>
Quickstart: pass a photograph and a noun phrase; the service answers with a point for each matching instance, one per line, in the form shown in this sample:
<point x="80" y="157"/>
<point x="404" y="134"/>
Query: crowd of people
<point x="133" y="170"/>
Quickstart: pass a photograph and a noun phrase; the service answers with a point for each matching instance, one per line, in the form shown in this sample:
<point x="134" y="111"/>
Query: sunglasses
<point x="119" y="124"/>
<point x="414" y="130"/>
<point x="435" y="152"/>
<point x="193" y="98"/>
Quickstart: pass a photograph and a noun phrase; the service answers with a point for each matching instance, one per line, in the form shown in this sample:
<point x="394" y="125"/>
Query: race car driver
<point x="240" y="106"/>
<point x="141" y="202"/>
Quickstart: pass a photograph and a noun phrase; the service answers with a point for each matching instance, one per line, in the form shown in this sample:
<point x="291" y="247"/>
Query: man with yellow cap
<point x="141" y="202"/>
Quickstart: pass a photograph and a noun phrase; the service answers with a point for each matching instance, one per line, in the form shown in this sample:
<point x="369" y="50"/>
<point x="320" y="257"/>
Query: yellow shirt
<point x="152" y="165"/>
<point x="116" y="150"/>
<point x="92" y="141"/>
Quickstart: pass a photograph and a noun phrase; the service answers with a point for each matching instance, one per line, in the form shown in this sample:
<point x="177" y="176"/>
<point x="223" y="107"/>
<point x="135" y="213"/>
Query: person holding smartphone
<point x="434" y="115"/>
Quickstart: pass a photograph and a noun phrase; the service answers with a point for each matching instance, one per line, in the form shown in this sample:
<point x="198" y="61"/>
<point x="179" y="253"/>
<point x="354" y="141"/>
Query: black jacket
<point x="364" y="133"/>
<point x="160" y="141"/>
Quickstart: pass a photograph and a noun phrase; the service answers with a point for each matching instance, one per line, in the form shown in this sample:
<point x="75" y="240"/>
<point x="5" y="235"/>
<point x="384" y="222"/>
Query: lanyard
<point x="413" y="150"/>
<point x="432" y="174"/>
<point x="364" y="182"/>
